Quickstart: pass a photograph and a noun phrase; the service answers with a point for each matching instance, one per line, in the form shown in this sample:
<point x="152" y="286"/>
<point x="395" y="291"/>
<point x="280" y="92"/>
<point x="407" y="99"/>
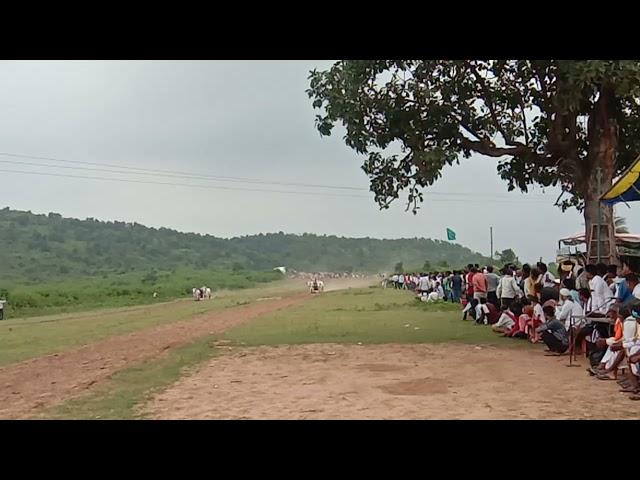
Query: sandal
<point x="634" y="397"/>
<point x="604" y="377"/>
<point x="629" y="390"/>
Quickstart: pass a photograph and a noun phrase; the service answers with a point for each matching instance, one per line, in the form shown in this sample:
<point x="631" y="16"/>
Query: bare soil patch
<point x="436" y="381"/>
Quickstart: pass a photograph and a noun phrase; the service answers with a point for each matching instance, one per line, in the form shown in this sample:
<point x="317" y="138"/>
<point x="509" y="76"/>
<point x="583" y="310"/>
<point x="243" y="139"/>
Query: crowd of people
<point x="593" y="310"/>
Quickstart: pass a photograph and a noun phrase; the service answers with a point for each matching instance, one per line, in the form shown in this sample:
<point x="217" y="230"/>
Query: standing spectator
<point x="492" y="286"/>
<point x="456" y="286"/>
<point x="530" y="283"/>
<point x="469" y="290"/>
<point x="524" y="274"/>
<point x="601" y="294"/>
<point x="517" y="276"/>
<point x="479" y="284"/>
<point x="546" y="277"/>
<point x="582" y="280"/>
<point x="507" y="289"/>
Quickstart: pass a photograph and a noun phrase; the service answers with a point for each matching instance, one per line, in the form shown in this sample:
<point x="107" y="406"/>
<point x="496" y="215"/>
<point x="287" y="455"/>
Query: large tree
<point x="549" y="122"/>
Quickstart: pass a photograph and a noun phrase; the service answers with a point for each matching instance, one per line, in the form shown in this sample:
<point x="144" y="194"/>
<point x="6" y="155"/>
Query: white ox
<point x="319" y="285"/>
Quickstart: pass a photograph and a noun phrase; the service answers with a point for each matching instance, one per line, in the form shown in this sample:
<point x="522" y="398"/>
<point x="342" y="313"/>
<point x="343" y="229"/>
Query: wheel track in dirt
<point x="41" y="382"/>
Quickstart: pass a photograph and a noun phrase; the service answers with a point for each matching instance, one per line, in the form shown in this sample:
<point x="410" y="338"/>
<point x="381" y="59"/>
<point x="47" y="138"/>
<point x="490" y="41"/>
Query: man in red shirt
<point x="479" y="283"/>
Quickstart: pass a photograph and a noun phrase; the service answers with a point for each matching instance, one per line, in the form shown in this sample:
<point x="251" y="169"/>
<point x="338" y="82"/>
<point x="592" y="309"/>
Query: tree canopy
<point x="549" y="122"/>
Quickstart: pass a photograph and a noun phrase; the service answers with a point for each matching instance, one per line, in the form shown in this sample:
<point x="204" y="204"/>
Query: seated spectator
<point x="518" y="305"/>
<point x="547" y="293"/>
<point x="611" y="358"/>
<point x="537" y="319"/>
<point x="570" y="312"/>
<point x="470" y="309"/>
<point x="586" y="302"/>
<point x="519" y="330"/>
<point x="632" y="351"/>
<point x="630" y="290"/>
<point x="486" y="313"/>
<point x="570" y="284"/>
<point x="506" y="321"/>
<point x="629" y="347"/>
<point x="553" y="333"/>
<point x="430" y="297"/>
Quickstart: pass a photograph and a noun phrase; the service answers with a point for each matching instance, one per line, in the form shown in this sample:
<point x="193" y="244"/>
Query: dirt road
<point x="28" y="386"/>
<point x="448" y="381"/>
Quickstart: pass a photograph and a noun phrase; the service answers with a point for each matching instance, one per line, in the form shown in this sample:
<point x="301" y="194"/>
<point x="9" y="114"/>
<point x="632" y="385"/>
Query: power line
<point x="208" y="187"/>
<point x="185" y="174"/>
<point x="211" y="187"/>
<point x="202" y="176"/>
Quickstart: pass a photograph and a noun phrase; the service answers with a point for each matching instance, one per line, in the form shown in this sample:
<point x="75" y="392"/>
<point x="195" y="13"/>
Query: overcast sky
<point x="243" y="119"/>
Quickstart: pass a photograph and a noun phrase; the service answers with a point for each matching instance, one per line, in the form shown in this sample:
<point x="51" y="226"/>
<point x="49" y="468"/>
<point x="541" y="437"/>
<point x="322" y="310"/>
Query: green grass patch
<point x="120" y="397"/>
<point x="365" y="316"/>
<point x="121" y="290"/>
<point x="21" y="339"/>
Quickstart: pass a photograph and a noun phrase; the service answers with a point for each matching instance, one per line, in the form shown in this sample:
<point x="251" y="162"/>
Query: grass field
<point x="21" y="339"/>
<point x="121" y="290"/>
<point x="365" y="316"/>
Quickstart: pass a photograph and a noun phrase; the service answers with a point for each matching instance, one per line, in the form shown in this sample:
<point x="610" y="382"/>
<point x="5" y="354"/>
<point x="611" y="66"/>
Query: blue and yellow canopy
<point x="627" y="188"/>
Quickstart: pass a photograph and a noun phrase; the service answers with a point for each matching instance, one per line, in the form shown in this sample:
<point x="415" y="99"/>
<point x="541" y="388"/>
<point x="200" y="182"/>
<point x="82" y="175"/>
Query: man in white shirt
<point x="508" y="288"/>
<point x="568" y="310"/>
<point x="601" y="296"/>
<point x="546" y="278"/>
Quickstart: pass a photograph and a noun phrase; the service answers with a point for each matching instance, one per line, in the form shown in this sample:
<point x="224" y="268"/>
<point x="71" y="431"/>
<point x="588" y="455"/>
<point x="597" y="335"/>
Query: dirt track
<point x="390" y="382"/>
<point x="44" y="381"/>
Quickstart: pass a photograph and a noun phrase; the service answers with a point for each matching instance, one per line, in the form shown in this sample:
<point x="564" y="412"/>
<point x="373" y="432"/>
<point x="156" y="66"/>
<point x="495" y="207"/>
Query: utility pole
<point x="599" y="226"/>
<point x="491" y="236"/>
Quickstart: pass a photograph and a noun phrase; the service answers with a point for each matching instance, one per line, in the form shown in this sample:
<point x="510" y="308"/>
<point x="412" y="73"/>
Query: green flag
<point x="451" y="235"/>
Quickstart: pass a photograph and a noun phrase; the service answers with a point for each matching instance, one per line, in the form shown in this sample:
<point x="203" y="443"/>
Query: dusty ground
<point x="44" y="381"/>
<point x="390" y="382"/>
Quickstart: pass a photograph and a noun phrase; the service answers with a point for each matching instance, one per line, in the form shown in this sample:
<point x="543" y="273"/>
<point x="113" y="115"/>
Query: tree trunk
<point x="603" y="147"/>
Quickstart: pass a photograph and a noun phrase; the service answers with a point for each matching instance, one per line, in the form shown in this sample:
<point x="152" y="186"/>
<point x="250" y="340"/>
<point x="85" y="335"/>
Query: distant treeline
<point x="38" y="248"/>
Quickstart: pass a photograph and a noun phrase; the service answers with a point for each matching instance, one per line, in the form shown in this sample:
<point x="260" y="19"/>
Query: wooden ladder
<point x="605" y="244"/>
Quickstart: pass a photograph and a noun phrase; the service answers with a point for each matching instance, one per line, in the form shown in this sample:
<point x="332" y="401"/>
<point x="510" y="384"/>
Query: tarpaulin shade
<point x="626" y="188"/>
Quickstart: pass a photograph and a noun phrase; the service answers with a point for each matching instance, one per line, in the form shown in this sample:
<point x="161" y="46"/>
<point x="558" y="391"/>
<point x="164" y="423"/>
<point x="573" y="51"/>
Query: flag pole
<point x="491" y="235"/>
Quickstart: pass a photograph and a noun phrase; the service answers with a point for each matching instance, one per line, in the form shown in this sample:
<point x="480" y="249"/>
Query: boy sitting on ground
<point x="553" y="332"/>
<point x="537" y="319"/>
<point x="506" y="321"/>
<point x="486" y="313"/>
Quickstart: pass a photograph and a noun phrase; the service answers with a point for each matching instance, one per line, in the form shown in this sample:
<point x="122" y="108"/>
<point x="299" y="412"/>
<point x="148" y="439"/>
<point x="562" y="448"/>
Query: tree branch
<point x="489" y="102"/>
<point x="486" y="148"/>
<point x="524" y="119"/>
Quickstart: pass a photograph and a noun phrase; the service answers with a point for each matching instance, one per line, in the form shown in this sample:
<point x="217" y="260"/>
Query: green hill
<point x="40" y="248"/>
